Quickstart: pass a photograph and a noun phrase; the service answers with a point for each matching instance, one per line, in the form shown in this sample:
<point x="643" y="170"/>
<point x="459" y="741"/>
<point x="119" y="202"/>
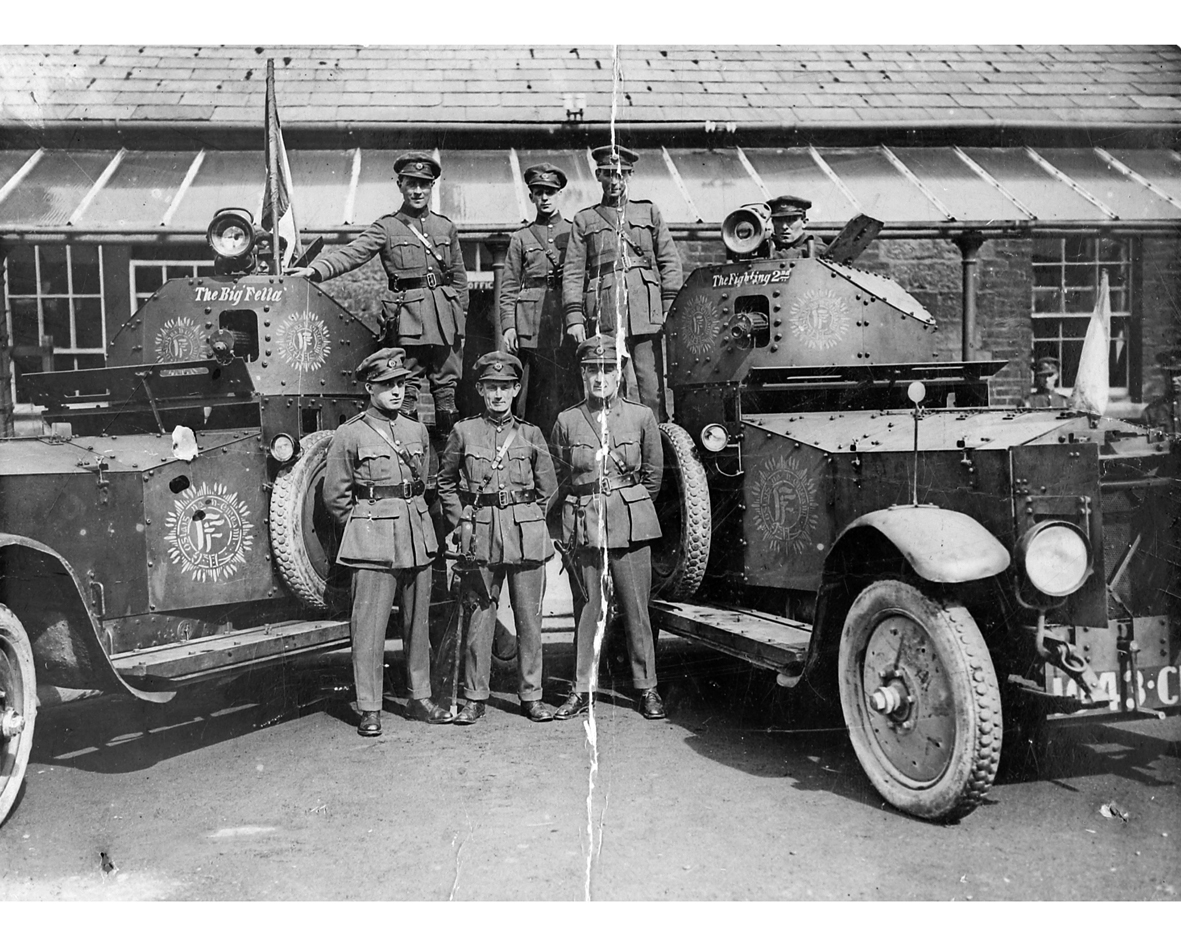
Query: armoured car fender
<point x="80" y="655"/>
<point x="941" y="545"/>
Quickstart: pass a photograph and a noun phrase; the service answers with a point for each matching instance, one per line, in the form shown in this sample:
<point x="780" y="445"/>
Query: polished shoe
<point x="370" y="724"/>
<point x="471" y="713"/>
<point x="537" y="711"/>
<point x="576" y="703"/>
<point x="650" y="705"/>
<point x="427" y="710"/>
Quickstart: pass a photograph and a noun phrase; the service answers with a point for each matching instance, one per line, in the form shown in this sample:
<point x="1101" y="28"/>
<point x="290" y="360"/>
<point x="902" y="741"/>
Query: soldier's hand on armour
<point x="305" y="271"/>
<point x="510" y="340"/>
<point x="578" y="333"/>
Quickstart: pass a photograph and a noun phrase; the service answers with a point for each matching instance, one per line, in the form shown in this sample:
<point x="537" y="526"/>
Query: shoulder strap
<point x="421" y="237"/>
<point x="403" y="453"/>
<point x="553" y="257"/>
<point x="499" y="458"/>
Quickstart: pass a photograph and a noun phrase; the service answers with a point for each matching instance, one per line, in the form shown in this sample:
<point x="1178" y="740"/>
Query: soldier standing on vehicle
<point x="789" y="220"/>
<point x="531" y="303"/>
<point x="610" y="463"/>
<point x="622" y="273"/>
<point x="427" y="309"/>
<point x="496" y="483"/>
<point x="1046" y="395"/>
<point x="374" y="486"/>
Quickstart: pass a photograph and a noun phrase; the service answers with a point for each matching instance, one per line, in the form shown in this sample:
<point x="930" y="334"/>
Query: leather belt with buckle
<point x="605" y="485"/>
<point x="431" y="280"/>
<point x="597" y="272"/>
<point x="501" y="499"/>
<point x="399" y="490"/>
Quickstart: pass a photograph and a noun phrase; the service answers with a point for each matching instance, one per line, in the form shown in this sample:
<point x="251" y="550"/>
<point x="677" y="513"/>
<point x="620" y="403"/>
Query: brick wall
<point x="1160" y="305"/>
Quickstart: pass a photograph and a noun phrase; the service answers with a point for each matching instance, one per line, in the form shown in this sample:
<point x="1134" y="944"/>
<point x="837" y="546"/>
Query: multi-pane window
<point x="148" y="275"/>
<point x="55" y="290"/>
<point x="477" y="257"/>
<point x="1066" y="278"/>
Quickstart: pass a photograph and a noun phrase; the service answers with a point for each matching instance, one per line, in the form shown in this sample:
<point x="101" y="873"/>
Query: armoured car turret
<point x="848" y="506"/>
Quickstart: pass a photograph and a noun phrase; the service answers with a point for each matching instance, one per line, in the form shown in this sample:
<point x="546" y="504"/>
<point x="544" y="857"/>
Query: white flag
<point x="1090" y="384"/>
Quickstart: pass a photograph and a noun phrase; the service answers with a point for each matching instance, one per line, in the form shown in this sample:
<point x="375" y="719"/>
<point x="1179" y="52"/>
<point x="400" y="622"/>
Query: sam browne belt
<point x="500" y="499"/>
<point x="605" y="485"/>
<point x="597" y="272"/>
<point x="399" y="490"/>
<point x="431" y="280"/>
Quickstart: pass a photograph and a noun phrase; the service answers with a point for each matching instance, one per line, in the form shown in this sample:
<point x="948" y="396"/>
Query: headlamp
<point x="714" y="437"/>
<point x="1056" y="557"/>
<point x="231" y="234"/>
<point x="282" y="448"/>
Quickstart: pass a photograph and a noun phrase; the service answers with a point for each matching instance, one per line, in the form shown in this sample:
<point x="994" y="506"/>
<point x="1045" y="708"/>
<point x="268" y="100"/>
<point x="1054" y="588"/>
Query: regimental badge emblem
<point x="785" y="508"/>
<point x="303" y="341"/>
<point x="179" y="339"/>
<point x="209" y="532"/>
<point x="819" y="319"/>
<point x="697" y="323"/>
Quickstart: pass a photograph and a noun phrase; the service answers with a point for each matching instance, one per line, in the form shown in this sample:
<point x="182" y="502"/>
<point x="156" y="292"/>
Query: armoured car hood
<point x="52" y="456"/>
<point x="889" y="431"/>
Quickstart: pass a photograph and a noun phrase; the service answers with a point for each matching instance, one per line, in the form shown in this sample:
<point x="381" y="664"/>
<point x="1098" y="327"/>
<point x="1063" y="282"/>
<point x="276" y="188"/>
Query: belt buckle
<point x="431" y="281"/>
<point x="502" y="498"/>
<point x="606" y="490"/>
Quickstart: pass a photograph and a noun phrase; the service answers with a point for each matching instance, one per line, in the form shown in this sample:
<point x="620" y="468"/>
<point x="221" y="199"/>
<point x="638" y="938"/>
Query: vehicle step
<point x="207" y="656"/>
<point x="759" y="638"/>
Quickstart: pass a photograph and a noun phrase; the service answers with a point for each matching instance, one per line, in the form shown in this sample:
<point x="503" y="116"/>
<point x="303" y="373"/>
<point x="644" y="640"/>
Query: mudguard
<point x="97" y="668"/>
<point x="941" y="545"/>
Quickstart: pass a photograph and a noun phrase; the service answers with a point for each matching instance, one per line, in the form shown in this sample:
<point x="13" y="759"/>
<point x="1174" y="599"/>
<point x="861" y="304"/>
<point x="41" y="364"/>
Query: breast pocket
<point x="520" y="465"/>
<point x="375" y="463"/>
<point x="406" y="255"/>
<point x="582" y="457"/>
<point x="477" y="465"/>
<point x="629" y="450"/>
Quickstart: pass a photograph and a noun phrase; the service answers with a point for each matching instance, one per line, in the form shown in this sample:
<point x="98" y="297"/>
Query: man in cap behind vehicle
<point x="531" y="303"/>
<point x="610" y="464"/>
<point x="1164" y="411"/>
<point x="1046" y="395"/>
<point x="789" y="221"/>
<point x="496" y="482"/>
<point x="621" y="274"/>
<point x="427" y="308"/>
<point x="374" y="487"/>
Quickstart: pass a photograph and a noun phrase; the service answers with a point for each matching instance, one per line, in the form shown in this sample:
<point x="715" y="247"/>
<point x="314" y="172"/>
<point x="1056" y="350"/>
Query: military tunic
<point x="425" y="309"/>
<point x="1163" y="412"/>
<point x="640" y="250"/>
<point x="607" y="487"/>
<point x="807" y="247"/>
<point x="531" y="303"/>
<point x="1047" y="400"/>
<point x="388" y="539"/>
<point x="507" y="496"/>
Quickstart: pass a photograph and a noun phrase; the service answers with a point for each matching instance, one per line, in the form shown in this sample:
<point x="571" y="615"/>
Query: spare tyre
<point x="680" y="555"/>
<point x="303" y="535"/>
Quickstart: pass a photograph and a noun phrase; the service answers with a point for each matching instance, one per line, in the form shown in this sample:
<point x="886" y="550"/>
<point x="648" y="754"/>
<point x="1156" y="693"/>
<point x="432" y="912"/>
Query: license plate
<point x="1157" y="687"/>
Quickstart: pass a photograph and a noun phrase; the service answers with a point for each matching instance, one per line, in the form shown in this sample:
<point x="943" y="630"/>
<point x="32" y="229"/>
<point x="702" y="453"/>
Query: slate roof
<point x="801" y="87"/>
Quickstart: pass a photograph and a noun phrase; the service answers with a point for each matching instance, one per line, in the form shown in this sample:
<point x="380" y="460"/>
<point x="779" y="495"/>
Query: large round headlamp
<point x="282" y="448"/>
<point x="231" y="233"/>
<point x="1056" y="557"/>
<point x="714" y="437"/>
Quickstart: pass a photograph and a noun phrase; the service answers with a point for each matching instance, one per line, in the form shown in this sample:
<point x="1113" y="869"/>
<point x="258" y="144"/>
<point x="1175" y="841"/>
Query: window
<point x="477" y="257"/>
<point x="147" y="275"/>
<point x="1066" y="274"/>
<point x="55" y="290"/>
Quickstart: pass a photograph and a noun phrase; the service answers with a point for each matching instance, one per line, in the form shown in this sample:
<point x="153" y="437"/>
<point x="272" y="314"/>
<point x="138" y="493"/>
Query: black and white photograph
<point x="633" y="472"/>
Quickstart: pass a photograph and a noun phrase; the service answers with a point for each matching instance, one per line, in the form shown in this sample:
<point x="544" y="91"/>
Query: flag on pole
<point x="278" y="210"/>
<point x="1090" y="384"/>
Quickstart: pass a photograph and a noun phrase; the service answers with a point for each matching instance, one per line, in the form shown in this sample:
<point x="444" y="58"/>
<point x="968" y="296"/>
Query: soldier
<point x="609" y="465"/>
<point x="621" y="240"/>
<point x="789" y="219"/>
<point x="531" y="302"/>
<point x="497" y="479"/>
<point x="421" y="255"/>
<point x="1165" y="411"/>
<point x="374" y="485"/>
<point x="1046" y="395"/>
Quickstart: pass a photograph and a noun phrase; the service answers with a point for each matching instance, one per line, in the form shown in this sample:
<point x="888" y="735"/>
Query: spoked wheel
<point x="920" y="697"/>
<point x="18" y="707"/>
<point x="303" y="536"/>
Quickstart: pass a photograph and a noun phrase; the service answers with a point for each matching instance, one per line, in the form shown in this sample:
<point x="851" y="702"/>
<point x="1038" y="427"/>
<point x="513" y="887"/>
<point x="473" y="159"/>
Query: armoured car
<point x="169" y="529"/>
<point x="844" y="505"/>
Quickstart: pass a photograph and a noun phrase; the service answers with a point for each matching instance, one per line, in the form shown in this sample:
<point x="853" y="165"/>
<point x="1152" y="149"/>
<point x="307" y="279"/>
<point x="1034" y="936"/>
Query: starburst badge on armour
<point x="785" y="509"/>
<point x="179" y="339"/>
<point x="303" y="341"/>
<point x="209" y="532"/>
<point x="820" y="319"/>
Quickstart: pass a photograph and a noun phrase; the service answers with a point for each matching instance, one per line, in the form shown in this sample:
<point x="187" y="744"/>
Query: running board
<point x="178" y="663"/>
<point x="759" y="638"/>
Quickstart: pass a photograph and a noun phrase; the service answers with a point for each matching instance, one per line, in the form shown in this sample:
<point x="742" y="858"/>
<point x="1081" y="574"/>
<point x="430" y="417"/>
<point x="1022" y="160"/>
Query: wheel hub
<point x="893" y="699"/>
<point x="12" y="723"/>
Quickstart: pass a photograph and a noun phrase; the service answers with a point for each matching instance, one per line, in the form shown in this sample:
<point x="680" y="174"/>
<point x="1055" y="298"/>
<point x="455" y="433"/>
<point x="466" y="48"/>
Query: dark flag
<point x="277" y="204"/>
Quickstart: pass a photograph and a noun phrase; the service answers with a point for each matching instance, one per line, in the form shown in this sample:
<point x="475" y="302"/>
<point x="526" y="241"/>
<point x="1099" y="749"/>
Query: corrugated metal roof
<point x="482" y="191"/>
<point x="751" y="85"/>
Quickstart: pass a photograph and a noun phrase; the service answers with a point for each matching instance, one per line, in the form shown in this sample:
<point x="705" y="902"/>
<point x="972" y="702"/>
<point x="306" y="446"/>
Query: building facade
<point x="1007" y="178"/>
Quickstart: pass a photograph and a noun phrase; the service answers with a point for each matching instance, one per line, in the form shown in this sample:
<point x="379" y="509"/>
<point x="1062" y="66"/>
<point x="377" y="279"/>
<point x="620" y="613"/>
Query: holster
<point x="467" y="535"/>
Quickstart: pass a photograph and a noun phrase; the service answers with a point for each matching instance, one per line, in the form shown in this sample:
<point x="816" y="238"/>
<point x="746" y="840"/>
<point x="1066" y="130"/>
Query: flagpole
<point x="273" y="165"/>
